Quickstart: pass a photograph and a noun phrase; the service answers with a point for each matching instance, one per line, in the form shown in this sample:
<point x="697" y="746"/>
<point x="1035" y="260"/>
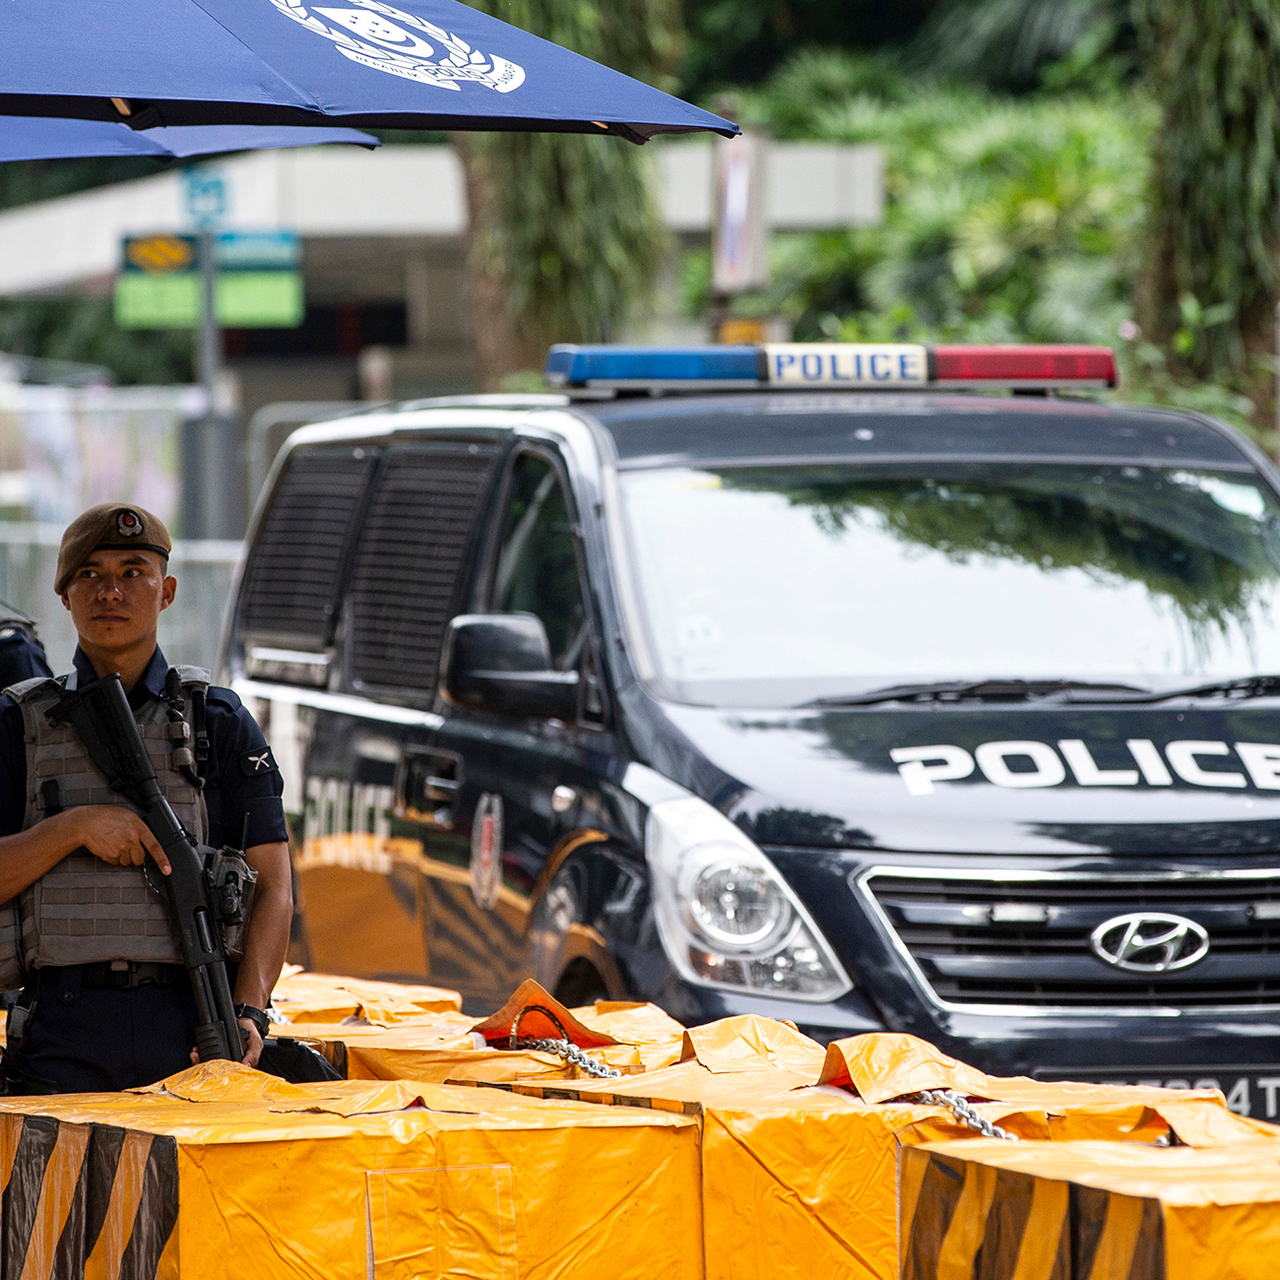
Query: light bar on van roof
<point x="886" y="365"/>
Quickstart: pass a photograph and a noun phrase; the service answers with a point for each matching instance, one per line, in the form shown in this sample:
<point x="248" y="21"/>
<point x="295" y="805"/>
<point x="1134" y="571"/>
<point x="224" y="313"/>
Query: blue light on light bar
<point x="576" y="366"/>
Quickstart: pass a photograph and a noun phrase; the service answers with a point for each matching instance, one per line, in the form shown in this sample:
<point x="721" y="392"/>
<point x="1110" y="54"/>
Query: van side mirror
<point x="502" y="662"/>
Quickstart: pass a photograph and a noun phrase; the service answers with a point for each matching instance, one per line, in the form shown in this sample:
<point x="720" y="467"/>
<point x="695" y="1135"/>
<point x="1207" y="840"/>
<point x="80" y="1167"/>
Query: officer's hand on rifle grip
<point x="116" y="835"/>
<point x="253" y="1050"/>
<point x="253" y="1047"/>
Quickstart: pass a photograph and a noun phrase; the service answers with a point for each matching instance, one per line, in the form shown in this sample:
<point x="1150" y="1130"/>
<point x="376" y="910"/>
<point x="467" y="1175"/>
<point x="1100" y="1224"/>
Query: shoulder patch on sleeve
<point x="227" y="697"/>
<point x="254" y="763"/>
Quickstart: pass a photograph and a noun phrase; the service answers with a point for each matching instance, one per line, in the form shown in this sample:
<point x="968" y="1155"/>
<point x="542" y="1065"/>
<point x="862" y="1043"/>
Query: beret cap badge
<point x="128" y="523"/>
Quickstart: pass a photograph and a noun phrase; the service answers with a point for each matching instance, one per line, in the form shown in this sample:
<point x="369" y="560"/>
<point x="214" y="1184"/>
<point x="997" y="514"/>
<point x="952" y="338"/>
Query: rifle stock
<point x="100" y="714"/>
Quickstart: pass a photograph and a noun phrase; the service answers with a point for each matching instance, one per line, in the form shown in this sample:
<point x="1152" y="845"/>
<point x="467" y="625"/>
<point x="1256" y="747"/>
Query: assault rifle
<point x="99" y="713"/>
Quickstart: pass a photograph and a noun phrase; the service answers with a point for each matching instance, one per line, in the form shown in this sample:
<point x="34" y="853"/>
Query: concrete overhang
<point x="72" y="244"/>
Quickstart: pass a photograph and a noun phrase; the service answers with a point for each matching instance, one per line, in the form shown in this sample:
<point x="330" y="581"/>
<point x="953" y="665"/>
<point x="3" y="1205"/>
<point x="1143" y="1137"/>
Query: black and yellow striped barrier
<point x="227" y="1174"/>
<point x="737" y="1151"/>
<point x="86" y="1201"/>
<point x="991" y="1210"/>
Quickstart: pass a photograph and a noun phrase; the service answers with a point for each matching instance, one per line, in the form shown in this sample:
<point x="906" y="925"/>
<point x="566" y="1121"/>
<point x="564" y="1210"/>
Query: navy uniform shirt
<point x="241" y="776"/>
<point x="20" y="658"/>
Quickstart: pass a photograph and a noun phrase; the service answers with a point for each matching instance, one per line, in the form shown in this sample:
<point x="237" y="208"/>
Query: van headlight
<point x="726" y="917"/>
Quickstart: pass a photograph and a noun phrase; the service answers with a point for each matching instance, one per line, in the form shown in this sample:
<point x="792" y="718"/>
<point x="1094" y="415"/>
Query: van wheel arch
<point x="567" y="954"/>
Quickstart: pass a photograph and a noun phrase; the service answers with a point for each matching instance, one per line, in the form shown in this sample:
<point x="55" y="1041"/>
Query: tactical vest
<point x="84" y="910"/>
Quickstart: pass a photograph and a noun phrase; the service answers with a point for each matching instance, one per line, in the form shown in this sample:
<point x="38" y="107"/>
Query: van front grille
<point x="1024" y="938"/>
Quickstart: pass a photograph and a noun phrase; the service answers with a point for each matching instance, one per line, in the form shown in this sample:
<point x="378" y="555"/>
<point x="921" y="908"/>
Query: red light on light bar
<point x="1024" y="364"/>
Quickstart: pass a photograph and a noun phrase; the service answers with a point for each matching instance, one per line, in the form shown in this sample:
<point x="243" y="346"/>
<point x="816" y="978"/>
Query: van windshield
<point x="773" y="585"/>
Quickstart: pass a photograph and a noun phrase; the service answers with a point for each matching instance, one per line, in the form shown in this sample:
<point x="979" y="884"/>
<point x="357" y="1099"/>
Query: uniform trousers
<point x="101" y="1039"/>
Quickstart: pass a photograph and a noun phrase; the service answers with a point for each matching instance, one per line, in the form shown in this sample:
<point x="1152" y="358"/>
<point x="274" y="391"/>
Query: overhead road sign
<point x="418" y="64"/>
<point x="848" y="365"/>
<point x="258" y="284"/>
<point x="54" y="138"/>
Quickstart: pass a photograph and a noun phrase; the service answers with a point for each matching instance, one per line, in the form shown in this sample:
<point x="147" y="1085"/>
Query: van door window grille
<point x="406" y="566"/>
<point x="292" y="580"/>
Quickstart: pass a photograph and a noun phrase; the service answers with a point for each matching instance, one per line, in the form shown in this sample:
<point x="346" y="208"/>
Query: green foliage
<point x="570" y="227"/>
<point x="795" y="102"/>
<point x="23" y="181"/>
<point x="1007" y="221"/>
<point x="577" y="238"/>
<point x="1016" y="223"/>
<point x="82" y="329"/>
<point x="740" y="42"/>
<point x="1215" y="215"/>
<point x="1015" y="44"/>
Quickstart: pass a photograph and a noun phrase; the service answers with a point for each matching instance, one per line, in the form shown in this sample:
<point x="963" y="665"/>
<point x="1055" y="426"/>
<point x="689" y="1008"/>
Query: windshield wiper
<point x="1243" y="687"/>
<point x="983" y="691"/>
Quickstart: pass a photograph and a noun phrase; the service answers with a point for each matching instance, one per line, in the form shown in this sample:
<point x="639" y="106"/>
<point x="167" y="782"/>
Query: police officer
<point x="110" y="1006"/>
<point x="22" y="656"/>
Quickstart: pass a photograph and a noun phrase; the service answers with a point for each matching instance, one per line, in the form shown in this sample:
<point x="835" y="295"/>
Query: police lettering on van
<point x="861" y="685"/>
<point x="1038" y="764"/>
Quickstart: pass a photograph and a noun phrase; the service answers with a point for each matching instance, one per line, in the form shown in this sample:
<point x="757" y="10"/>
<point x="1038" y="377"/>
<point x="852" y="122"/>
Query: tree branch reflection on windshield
<point x="1166" y="531"/>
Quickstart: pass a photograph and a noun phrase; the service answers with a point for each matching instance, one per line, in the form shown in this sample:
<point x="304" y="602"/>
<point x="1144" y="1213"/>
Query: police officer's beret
<point x="108" y="526"/>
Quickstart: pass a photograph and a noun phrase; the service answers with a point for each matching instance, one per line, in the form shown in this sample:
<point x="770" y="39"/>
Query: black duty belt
<point x="121" y="974"/>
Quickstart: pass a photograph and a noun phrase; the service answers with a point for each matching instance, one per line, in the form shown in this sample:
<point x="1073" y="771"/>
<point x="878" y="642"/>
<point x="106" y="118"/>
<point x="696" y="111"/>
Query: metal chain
<point x="564" y="1047"/>
<point x="570" y="1053"/>
<point x="961" y="1109"/>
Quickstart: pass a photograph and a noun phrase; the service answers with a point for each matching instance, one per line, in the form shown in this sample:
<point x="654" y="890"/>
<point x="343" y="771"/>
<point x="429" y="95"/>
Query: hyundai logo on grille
<point x="1149" y="942"/>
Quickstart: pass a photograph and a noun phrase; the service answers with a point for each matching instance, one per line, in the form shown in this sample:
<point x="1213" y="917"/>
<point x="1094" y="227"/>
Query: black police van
<point x="862" y="686"/>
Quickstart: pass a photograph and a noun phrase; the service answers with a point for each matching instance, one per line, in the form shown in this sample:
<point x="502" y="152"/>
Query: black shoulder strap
<point x="193" y="764"/>
<point x="195" y="683"/>
<point x="200" y="728"/>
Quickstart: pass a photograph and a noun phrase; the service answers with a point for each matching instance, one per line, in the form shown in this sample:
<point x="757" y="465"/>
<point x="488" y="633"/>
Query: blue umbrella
<point x="43" y="138"/>
<point x="433" y="64"/>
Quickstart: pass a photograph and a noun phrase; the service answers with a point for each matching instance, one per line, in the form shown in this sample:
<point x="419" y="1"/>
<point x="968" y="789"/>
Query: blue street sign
<point x="206" y="196"/>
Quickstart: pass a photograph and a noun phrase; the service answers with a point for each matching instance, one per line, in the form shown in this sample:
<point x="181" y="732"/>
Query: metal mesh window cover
<point x="291" y="583"/>
<point x="411" y="548"/>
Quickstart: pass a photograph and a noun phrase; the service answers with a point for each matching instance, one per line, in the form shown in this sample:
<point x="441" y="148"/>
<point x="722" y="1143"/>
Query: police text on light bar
<point x="785" y="365"/>
<point x="832" y="363"/>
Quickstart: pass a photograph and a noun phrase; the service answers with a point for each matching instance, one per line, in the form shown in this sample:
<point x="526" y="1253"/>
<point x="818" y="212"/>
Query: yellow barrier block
<point x="438" y="1047"/>
<point x="1091" y="1211"/>
<point x="800" y="1169"/>
<point x="224" y="1172"/>
<point x="323" y="998"/>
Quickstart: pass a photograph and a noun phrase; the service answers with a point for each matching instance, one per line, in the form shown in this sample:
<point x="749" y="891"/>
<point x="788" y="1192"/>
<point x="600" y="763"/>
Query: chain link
<point x="570" y="1052"/>
<point x="964" y="1112"/>
<point x="564" y="1047"/>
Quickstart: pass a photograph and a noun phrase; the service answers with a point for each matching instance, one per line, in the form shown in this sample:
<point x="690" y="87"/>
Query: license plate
<point x="1249" y="1092"/>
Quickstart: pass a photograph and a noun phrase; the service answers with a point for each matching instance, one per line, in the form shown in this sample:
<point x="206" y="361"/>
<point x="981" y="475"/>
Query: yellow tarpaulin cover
<point x="741" y="1150"/>
<point x="1091" y="1211"/>
<point x="223" y="1172"/>
<point x="888" y="1065"/>
<point x="644" y="1025"/>
<point x="799" y="1172"/>
<point x="321" y="997"/>
<point x="747" y="1042"/>
<point x="443" y="1046"/>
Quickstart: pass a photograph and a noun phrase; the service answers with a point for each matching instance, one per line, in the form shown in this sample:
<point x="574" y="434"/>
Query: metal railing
<point x="189" y="630"/>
